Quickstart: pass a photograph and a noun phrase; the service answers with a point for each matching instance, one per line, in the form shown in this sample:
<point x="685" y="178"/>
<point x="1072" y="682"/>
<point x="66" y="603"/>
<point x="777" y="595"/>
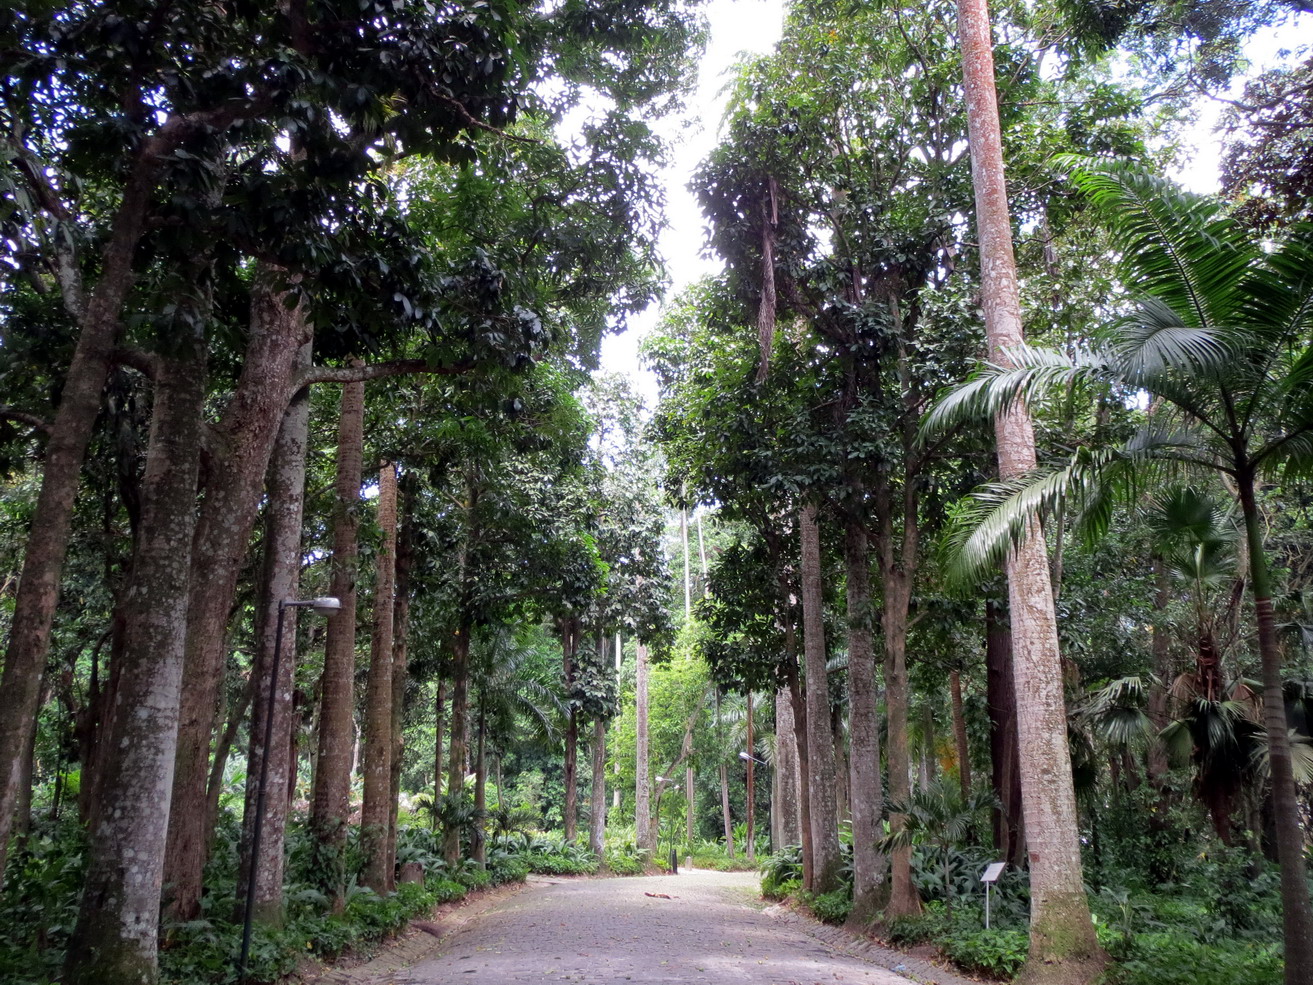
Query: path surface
<point x="603" y="931"/>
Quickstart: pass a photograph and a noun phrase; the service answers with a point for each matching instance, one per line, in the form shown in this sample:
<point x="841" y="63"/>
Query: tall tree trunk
<point x="376" y="810"/>
<point x="786" y="773"/>
<point x="223" y="533"/>
<point x="820" y="742"/>
<point x="840" y="764"/>
<point x="690" y="807"/>
<point x="1296" y="912"/>
<point x="115" y="939"/>
<point x="460" y="684"/>
<point x="481" y="786"/>
<point x="282" y="575"/>
<point x="1062" y="942"/>
<point x="642" y="769"/>
<point x="52" y="520"/>
<point x="569" y="652"/>
<point x="903" y="897"/>
<point x="1161" y="649"/>
<point x="222" y="749"/>
<point x="439" y="747"/>
<point x="752" y="789"/>
<point x="864" y="732"/>
<point x="929" y="742"/>
<point x="400" y="655"/>
<point x="597" y="822"/>
<point x="799" y="701"/>
<point x="724" y="789"/>
<point x="683" y="539"/>
<point x="330" y="805"/>
<point x="960" y="734"/>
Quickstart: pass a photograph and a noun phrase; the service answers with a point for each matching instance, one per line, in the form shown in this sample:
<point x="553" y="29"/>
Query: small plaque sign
<point x="993" y="872"/>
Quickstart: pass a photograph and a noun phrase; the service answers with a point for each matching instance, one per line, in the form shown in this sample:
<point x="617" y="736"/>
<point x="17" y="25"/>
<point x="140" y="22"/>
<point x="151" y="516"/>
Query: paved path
<point x="603" y="931"/>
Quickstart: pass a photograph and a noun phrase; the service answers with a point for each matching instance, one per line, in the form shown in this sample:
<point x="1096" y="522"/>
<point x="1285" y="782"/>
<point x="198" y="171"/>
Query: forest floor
<point x="698" y="926"/>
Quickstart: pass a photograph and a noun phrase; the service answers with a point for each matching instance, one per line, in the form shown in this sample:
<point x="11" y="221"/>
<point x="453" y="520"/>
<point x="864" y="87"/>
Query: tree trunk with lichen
<point x="1063" y="948"/>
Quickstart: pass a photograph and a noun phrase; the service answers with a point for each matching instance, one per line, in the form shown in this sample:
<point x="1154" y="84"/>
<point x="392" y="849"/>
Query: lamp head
<point x="744" y="756"/>
<point x="325" y="605"/>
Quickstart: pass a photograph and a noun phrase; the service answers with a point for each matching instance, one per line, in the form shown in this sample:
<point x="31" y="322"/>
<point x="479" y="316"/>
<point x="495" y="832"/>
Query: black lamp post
<point x="325" y="606"/>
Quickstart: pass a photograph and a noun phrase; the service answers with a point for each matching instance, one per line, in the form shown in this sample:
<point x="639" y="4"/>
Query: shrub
<point x="1174" y="959"/>
<point x="445" y="890"/>
<point x="626" y="860"/>
<point x="831" y="907"/>
<point x="917" y="928"/>
<point x="997" y="953"/>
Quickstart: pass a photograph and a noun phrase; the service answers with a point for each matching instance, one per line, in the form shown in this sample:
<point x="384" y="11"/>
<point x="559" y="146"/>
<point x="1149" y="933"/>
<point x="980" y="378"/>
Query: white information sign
<point x="993" y="872"/>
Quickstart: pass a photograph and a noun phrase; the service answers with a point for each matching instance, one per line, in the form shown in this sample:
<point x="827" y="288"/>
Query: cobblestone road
<point x="604" y="931"/>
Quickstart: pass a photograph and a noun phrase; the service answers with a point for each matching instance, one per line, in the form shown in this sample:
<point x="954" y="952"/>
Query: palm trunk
<point x="820" y="741"/>
<point x="115" y="939"/>
<point x="376" y="810"/>
<point x="1296" y="912"/>
<point x="864" y="732"/>
<point x="330" y="804"/>
<point x="1062" y="943"/>
<point x="282" y="573"/>
<point x="642" y="774"/>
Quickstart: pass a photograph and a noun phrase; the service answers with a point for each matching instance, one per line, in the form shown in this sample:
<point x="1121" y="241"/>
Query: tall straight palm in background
<point x="1219" y="339"/>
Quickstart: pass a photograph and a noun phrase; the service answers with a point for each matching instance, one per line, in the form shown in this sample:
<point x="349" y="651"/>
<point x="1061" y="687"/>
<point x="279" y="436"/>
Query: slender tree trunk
<point x="799" y="701"/>
<point x="903" y="897"/>
<point x="222" y="749"/>
<point x="376" y="811"/>
<point x="330" y="804"/>
<point x="683" y="539"/>
<point x="929" y="743"/>
<point x="1161" y="649"/>
<point x="690" y="812"/>
<point x="642" y="770"/>
<point x="724" y="789"/>
<point x="751" y="851"/>
<point x="1062" y="942"/>
<point x="115" y="939"/>
<point x="597" y="822"/>
<point x="400" y="659"/>
<point x="820" y="742"/>
<point x="1296" y="912"/>
<point x="223" y="533"/>
<point x="460" y="682"/>
<point x="864" y="733"/>
<point x="439" y="747"/>
<point x="569" y="649"/>
<point x="786" y="772"/>
<point x="840" y="765"/>
<point x="282" y="575"/>
<point x="481" y="787"/>
<point x="960" y="734"/>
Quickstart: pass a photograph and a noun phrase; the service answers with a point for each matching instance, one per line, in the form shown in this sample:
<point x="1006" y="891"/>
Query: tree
<point x="1219" y="337"/>
<point x="1063" y="947"/>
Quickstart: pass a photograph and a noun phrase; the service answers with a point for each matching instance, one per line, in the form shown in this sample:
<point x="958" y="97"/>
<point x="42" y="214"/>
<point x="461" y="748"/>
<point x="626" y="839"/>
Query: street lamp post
<point x="325" y="606"/>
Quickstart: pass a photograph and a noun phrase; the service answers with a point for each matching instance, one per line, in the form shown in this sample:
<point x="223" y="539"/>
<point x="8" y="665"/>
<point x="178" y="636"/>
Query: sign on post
<point x="992" y="872"/>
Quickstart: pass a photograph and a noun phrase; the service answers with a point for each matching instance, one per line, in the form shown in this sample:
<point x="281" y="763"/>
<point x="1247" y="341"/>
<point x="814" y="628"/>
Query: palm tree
<point x="938" y="815"/>
<point x="1219" y="339"/>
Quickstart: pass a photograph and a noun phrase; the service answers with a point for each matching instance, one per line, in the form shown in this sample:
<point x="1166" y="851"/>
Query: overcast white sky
<point x="753" y="26"/>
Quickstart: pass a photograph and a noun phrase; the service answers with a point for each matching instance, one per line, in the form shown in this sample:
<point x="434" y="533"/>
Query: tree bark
<point x="1062" y="942"/>
<point x="330" y="804"/>
<point x="115" y="939"/>
<point x="864" y="733"/>
<point x="285" y="488"/>
<point x="48" y="535"/>
<point x="400" y="654"/>
<point x="460" y="683"/>
<point x="376" y="810"/>
<point x="1005" y="763"/>
<point x="786" y="772"/>
<point x="569" y="649"/>
<point x="223" y="533"/>
<point x="1296" y="911"/>
<point x="597" y="822"/>
<point x="724" y="789"/>
<point x="690" y="805"/>
<point x="481" y="786"/>
<point x="820" y="742"/>
<point x="752" y="789"/>
<point x="439" y="747"/>
<point x="642" y="774"/>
